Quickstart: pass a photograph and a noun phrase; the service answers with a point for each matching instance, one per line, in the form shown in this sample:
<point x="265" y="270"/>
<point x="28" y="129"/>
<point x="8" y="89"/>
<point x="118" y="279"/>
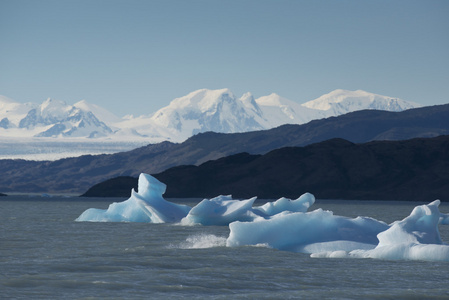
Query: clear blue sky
<point x="134" y="57"/>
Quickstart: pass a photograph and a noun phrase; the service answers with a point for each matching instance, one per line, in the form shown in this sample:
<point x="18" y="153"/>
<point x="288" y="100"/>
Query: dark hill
<point x="416" y="169"/>
<point x="115" y="187"/>
<point x="76" y="175"/>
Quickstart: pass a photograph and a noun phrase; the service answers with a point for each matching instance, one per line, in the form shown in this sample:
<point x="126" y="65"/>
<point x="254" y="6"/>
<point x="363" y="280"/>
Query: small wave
<point x="202" y="241"/>
<point x="135" y="249"/>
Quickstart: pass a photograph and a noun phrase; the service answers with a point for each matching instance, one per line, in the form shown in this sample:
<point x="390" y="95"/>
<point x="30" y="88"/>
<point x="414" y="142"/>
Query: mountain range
<point x="412" y="170"/>
<point x="200" y="111"/>
<point x="76" y="175"/>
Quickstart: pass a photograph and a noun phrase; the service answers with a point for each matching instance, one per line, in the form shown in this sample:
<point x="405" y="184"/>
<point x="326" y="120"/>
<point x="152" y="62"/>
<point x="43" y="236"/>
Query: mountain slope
<point x="412" y="170"/>
<point x="76" y="175"/>
<point x="416" y="169"/>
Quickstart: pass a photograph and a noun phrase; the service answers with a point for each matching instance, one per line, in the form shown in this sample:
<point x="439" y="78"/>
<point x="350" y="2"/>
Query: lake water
<point x="44" y="254"/>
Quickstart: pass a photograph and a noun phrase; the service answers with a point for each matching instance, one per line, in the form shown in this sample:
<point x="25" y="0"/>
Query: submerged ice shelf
<point x="288" y="225"/>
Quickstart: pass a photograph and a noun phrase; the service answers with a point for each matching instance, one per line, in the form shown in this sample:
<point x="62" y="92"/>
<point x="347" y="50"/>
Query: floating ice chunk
<point x="223" y="210"/>
<point x="420" y="227"/>
<point x="145" y="206"/>
<point x="130" y="210"/>
<point x="416" y="237"/>
<point x="301" y="204"/>
<point x="336" y="246"/>
<point x="286" y="225"/>
<point x="149" y="206"/>
<point x="220" y="210"/>
<point x="150" y="187"/>
<point x="410" y="251"/>
<point x="295" y="231"/>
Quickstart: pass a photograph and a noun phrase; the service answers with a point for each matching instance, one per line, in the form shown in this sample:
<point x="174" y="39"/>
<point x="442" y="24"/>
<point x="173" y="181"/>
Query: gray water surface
<point x="44" y="254"/>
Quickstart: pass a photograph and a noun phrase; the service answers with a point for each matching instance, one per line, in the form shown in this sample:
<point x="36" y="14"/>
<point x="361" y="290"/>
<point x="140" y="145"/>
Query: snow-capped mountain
<point x="101" y="113"/>
<point x="221" y="111"/>
<point x="199" y="111"/>
<point x="54" y="118"/>
<point x="339" y="102"/>
<point x="206" y="110"/>
<point x="12" y="112"/>
<point x="278" y="111"/>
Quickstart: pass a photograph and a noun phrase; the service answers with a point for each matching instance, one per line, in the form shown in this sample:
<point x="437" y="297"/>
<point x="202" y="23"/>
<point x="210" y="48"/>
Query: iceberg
<point x="147" y="205"/>
<point x="302" y="232"/>
<point x="287" y="225"/>
<point x="322" y="234"/>
<point x="301" y="204"/>
<point x="220" y="210"/>
<point x="223" y="210"/>
<point x="416" y="237"/>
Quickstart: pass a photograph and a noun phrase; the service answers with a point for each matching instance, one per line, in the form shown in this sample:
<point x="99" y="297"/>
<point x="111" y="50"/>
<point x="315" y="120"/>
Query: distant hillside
<point x="76" y="175"/>
<point x="416" y="170"/>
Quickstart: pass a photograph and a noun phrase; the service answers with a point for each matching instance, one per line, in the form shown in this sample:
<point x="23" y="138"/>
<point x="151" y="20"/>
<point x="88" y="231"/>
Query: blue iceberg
<point x="145" y="206"/>
<point x="322" y="234"/>
<point x="288" y="225"/>
<point x="317" y="229"/>
<point x="223" y="210"/>
<point x="148" y="205"/>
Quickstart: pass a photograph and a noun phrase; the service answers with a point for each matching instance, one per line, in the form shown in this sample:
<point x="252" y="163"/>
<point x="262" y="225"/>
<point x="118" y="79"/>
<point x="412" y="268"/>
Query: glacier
<point x="288" y="225"/>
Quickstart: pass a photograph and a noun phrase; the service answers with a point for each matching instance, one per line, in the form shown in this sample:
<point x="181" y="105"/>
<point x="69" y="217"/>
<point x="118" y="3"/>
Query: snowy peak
<point x="250" y="103"/>
<point x="206" y="110"/>
<point x="100" y="112"/>
<point x="220" y="111"/>
<point x="12" y="112"/>
<point x="199" y="111"/>
<point x="202" y="100"/>
<point x="248" y="99"/>
<point x="55" y="118"/>
<point x="278" y="111"/>
<point x="343" y="101"/>
<point x="57" y="109"/>
<point x="49" y="112"/>
<point x="273" y="100"/>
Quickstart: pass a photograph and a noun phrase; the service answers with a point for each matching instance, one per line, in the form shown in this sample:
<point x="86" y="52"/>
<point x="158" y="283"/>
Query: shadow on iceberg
<point x="287" y="225"/>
